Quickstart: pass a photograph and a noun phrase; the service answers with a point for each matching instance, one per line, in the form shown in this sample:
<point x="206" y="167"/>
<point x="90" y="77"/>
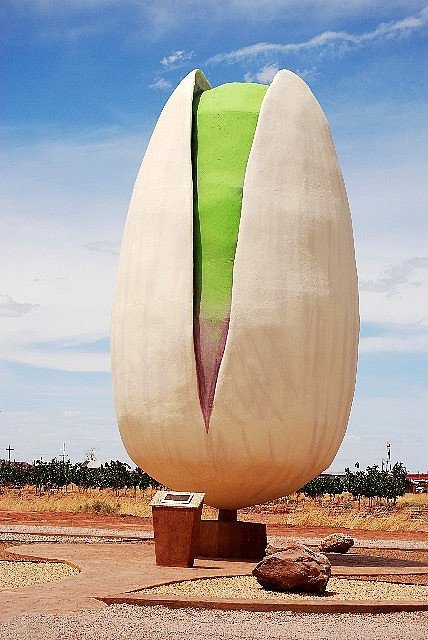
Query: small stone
<point x="336" y="543"/>
<point x="294" y="568"/>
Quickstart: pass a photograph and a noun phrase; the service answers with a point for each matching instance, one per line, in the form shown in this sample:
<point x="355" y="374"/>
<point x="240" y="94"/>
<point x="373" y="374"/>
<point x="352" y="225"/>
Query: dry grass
<point x="104" y="501"/>
<point x="78" y="501"/>
<point x="409" y="514"/>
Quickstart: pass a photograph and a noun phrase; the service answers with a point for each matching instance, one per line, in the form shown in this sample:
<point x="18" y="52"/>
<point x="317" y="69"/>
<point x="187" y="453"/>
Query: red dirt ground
<point x="63" y="519"/>
<point x="133" y="523"/>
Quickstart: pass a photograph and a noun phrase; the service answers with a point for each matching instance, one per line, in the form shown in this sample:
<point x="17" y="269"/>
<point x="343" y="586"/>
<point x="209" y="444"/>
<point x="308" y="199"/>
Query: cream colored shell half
<point x="286" y="381"/>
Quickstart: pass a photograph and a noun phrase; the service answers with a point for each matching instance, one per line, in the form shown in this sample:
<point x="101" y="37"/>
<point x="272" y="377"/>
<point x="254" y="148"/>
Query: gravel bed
<point x="93" y="532"/>
<point x="247" y="587"/>
<point x="407" y="557"/>
<point x="413" y="578"/>
<point x="38" y="537"/>
<point x="125" y="622"/>
<point x="371" y="544"/>
<point x="85" y="531"/>
<point x="23" y="574"/>
<point x="412" y="555"/>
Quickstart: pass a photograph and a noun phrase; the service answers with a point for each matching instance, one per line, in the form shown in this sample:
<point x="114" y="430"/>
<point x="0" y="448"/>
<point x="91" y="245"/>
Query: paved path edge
<point x="298" y="606"/>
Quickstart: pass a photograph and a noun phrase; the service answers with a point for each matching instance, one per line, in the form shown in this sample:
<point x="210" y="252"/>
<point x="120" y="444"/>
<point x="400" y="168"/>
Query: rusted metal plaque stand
<point x="176" y="523"/>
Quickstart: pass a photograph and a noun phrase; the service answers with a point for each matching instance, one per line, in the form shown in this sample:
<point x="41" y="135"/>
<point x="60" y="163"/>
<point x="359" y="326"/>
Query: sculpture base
<point x="231" y="539"/>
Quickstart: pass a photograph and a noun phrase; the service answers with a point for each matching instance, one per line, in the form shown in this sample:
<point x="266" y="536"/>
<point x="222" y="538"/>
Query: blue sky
<point x="84" y="82"/>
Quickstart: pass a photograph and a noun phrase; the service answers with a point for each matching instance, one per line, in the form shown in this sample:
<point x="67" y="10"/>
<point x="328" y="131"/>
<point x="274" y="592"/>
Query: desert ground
<point x="120" y="527"/>
<point x="410" y="513"/>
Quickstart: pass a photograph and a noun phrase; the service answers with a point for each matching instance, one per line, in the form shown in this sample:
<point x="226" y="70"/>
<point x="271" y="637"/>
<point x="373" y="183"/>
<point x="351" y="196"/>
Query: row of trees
<point x="59" y="474"/>
<point x="373" y="483"/>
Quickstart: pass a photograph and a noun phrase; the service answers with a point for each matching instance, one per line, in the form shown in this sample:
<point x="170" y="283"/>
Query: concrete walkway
<point x="105" y="570"/>
<point x="112" y="569"/>
<point x="146" y="533"/>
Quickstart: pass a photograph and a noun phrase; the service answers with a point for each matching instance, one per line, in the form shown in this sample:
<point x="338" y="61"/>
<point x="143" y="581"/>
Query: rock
<point x="294" y="568"/>
<point x="336" y="543"/>
<point x="272" y="548"/>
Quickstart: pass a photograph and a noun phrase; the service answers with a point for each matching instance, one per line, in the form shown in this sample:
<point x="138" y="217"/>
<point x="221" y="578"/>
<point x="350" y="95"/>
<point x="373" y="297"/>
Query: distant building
<point x="418" y="482"/>
<point x="91" y="460"/>
<point x="334" y="474"/>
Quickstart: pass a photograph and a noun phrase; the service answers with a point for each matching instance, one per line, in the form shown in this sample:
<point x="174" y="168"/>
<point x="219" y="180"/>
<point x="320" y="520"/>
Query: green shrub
<point x="99" y="506"/>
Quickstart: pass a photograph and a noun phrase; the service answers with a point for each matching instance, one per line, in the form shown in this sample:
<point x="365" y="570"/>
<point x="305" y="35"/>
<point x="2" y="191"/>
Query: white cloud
<point x="10" y="308"/>
<point x="104" y="247"/>
<point x="177" y="57"/>
<point x="75" y="189"/>
<point x="396" y="303"/>
<point x="397" y="276"/>
<point x="327" y="39"/>
<point x="398" y="299"/>
<point x="169" y="15"/>
<point x="308" y="74"/>
<point x="160" y="83"/>
<point x="246" y="6"/>
<point x="72" y="19"/>
<point x="382" y="149"/>
<point x="397" y="343"/>
<point x="34" y="355"/>
<point x="265" y="75"/>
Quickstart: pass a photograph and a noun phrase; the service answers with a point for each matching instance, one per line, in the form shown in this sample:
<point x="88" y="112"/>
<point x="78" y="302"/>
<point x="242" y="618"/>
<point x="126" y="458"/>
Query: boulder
<point x="336" y="543"/>
<point x="281" y="546"/>
<point x="294" y="568"/>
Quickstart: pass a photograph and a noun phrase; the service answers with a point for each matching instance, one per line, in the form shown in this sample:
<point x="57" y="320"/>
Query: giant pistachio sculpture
<point x="235" y="319"/>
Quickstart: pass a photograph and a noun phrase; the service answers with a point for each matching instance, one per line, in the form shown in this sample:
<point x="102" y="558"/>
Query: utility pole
<point x="9" y="451"/>
<point x="388" y="455"/>
<point x="64" y="453"/>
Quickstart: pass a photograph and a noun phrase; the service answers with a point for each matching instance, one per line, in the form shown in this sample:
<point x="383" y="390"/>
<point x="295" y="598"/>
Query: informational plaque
<point x="176" y="523"/>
